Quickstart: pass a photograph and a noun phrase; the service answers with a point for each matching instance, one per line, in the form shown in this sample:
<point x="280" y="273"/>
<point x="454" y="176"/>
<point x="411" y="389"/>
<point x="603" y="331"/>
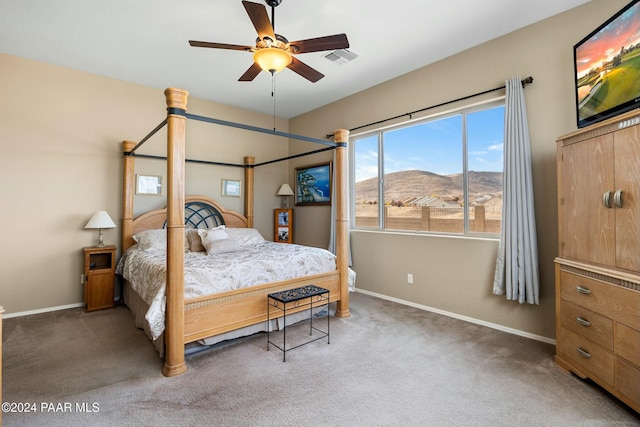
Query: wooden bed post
<point x="249" y="161"/>
<point x="341" y="136"/>
<point x="128" y="191"/>
<point x="174" y="363"/>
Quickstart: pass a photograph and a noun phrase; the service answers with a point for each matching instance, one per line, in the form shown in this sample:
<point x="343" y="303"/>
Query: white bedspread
<point x="209" y="274"/>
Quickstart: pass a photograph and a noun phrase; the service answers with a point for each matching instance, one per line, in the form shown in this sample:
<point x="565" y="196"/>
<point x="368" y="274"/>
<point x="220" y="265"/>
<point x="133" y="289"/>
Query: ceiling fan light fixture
<point x="272" y="59"/>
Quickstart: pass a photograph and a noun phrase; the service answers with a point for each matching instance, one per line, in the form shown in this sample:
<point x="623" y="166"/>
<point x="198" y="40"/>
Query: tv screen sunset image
<point x="608" y="65"/>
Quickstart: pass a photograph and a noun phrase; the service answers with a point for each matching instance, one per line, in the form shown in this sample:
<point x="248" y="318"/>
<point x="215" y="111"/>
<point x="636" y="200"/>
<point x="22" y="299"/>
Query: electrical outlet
<point x="82" y="279"/>
<point x="409" y="278"/>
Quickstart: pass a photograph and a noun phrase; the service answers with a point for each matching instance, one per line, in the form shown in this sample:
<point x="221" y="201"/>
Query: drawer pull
<point x="606" y="199"/>
<point x="583" y="352"/>
<point x="582" y="321"/>
<point x="583" y="290"/>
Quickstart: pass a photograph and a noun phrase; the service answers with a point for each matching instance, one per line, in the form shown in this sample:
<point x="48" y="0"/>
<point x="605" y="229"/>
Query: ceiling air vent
<point x="341" y="56"/>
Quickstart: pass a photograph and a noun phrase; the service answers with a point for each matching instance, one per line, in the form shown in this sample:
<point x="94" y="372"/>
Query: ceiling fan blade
<point x="337" y="41"/>
<point x="260" y="19"/>
<point x="304" y="70"/>
<point x="251" y="73"/>
<point x="219" y="45"/>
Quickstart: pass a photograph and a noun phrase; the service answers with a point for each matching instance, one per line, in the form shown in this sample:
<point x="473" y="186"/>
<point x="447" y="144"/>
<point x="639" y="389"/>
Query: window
<point x="438" y="175"/>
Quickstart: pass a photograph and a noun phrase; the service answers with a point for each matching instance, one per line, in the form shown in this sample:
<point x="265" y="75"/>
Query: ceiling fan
<point x="274" y="52"/>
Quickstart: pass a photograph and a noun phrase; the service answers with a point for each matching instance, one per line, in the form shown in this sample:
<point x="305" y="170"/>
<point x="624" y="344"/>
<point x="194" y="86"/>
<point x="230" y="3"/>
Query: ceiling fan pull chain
<point x="273" y="95"/>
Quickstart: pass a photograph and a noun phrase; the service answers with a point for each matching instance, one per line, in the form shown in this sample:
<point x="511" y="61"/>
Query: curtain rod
<point x="524" y="82"/>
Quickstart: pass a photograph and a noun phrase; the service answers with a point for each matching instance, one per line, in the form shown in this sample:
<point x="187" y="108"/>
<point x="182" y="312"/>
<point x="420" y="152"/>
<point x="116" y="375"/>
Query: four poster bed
<point x="200" y="315"/>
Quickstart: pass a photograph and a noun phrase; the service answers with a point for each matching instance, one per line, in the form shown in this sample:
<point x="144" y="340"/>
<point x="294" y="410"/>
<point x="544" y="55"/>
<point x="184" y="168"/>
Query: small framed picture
<point x="283" y="234"/>
<point x="149" y="185"/>
<point x="231" y="188"/>
<point x="313" y="184"/>
<point x="283" y="218"/>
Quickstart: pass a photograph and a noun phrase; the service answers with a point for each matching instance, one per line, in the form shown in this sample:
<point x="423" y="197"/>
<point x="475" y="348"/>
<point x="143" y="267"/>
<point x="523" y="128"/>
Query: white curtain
<point x="516" y="274"/>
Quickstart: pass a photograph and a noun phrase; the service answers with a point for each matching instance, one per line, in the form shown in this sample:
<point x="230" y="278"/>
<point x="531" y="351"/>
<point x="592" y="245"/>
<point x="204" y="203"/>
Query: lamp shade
<point x="285" y="190"/>
<point x="100" y="219"/>
<point x="272" y="59"/>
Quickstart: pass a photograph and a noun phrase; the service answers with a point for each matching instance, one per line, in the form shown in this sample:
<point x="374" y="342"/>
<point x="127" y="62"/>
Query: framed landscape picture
<point x="149" y="185"/>
<point x="313" y="184"/>
<point x="231" y="188"/>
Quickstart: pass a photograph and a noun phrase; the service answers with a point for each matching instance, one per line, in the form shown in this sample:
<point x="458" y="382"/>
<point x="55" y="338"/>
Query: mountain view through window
<point x="440" y="175"/>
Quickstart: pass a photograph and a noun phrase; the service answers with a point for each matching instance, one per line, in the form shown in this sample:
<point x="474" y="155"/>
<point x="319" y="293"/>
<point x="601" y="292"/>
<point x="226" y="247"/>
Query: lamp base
<point x="100" y="238"/>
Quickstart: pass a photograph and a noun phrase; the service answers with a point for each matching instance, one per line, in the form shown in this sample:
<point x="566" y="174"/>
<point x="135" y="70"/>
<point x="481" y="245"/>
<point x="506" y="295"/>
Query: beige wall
<point x="61" y="133"/>
<point x="61" y="130"/>
<point x="455" y="274"/>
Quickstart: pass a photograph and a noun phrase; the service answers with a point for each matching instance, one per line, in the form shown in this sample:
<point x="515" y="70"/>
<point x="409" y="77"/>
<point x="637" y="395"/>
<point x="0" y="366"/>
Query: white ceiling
<point x="146" y="41"/>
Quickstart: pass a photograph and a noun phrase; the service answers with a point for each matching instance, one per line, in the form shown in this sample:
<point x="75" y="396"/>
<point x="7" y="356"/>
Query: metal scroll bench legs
<point x="293" y="299"/>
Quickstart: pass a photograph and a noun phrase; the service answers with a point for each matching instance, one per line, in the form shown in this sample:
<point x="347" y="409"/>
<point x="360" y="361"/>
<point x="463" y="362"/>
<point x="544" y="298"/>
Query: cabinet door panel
<point x="587" y="225"/>
<point x="628" y="344"/>
<point x="283" y="225"/>
<point x="628" y="380"/>
<point x="627" y="179"/>
<point x="99" y="291"/>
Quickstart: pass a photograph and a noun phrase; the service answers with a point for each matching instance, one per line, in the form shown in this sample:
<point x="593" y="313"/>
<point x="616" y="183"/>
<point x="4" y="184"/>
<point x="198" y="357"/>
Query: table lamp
<point x="100" y="220"/>
<point x="285" y="191"/>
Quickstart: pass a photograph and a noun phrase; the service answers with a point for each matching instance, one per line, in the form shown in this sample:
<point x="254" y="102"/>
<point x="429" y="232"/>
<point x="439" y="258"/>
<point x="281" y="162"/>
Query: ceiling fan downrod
<point x="273" y="4"/>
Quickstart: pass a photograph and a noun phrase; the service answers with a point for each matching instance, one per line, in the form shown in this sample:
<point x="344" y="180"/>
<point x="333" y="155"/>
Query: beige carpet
<point x="387" y="365"/>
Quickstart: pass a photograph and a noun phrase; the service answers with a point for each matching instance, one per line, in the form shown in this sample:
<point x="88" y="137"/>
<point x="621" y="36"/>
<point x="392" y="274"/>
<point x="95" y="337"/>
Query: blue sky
<point x="436" y="146"/>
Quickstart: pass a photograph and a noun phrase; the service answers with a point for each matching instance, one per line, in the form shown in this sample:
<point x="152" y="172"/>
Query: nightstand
<point x="283" y="225"/>
<point x="99" y="276"/>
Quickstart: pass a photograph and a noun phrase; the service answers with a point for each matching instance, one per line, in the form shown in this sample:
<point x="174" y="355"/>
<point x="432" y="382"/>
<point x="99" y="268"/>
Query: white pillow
<point x="151" y="239"/>
<point x="246" y="236"/>
<point x="217" y="233"/>
<point x="217" y="241"/>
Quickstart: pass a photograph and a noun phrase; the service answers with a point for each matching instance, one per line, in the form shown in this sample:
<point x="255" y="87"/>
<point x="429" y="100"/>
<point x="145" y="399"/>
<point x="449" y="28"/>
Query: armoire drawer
<point x="628" y="344"/>
<point x="595" y="327"/>
<point x="592" y="358"/>
<point x="615" y="302"/>
<point x="628" y="380"/>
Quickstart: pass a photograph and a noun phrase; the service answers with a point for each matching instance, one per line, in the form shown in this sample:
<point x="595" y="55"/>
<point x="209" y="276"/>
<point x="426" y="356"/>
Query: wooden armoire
<point x="598" y="264"/>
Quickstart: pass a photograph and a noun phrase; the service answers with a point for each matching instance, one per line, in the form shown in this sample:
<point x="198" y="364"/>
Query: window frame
<point x="463" y="111"/>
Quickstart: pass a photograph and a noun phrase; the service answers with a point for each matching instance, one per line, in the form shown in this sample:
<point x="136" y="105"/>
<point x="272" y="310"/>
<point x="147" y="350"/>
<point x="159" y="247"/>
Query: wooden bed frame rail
<point x="194" y="319"/>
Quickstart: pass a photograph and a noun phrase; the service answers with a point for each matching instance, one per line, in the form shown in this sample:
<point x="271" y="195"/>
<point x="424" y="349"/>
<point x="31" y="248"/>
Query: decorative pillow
<point x="246" y="236"/>
<point x="221" y="246"/>
<point x="193" y="241"/>
<point x="217" y="241"/>
<point x="217" y="233"/>
<point x="151" y="239"/>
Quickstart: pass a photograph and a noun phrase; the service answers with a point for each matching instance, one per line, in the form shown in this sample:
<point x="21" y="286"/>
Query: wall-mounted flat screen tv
<point x="607" y="68"/>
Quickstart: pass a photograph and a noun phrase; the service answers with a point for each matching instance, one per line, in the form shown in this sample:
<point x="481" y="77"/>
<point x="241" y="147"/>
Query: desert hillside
<point x="413" y="184"/>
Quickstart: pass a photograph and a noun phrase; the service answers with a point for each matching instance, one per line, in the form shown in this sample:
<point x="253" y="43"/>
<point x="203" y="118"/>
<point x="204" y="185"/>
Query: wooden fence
<point x="426" y="218"/>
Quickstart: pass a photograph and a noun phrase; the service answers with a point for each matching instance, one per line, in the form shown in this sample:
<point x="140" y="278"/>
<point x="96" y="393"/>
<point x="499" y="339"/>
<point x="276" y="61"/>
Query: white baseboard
<point x="42" y="310"/>
<point x="461" y="317"/>
<point x="49" y="309"/>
